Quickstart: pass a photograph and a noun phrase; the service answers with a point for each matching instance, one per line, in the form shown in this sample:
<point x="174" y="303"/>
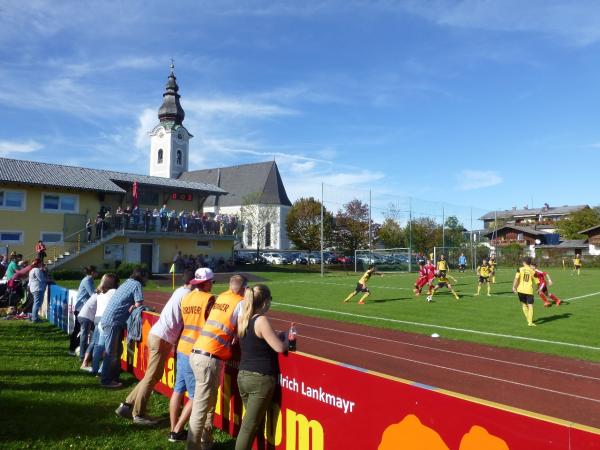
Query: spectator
<point x="96" y="348"/>
<point x="113" y="323"/>
<point x="108" y="222"/>
<point x="195" y="307"/>
<point x="37" y="285"/>
<point x="156" y="218"/>
<point x="177" y="261"/>
<point x="85" y="291"/>
<point x="161" y="339"/>
<point x="99" y="226"/>
<point x="135" y="213"/>
<point x="258" y="365"/>
<point x="127" y="216"/>
<point x="119" y="218"/>
<point x="40" y="249"/>
<point x="88" y="230"/>
<point x="147" y="220"/>
<point x="13" y="266"/>
<point x="164" y="218"/>
<point x="211" y="349"/>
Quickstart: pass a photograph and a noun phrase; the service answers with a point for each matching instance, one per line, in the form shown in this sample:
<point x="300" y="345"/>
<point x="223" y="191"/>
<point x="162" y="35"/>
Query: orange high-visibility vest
<point x="194" y="310"/>
<point x="220" y="327"/>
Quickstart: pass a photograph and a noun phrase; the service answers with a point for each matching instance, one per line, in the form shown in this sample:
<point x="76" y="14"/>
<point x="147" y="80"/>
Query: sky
<point x="490" y="104"/>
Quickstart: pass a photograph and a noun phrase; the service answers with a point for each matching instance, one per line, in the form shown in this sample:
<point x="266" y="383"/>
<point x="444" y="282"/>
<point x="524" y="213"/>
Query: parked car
<point x="275" y="258"/>
<point x="314" y="258"/>
<point x="345" y="260"/>
<point x="298" y="258"/>
<point x="248" y="257"/>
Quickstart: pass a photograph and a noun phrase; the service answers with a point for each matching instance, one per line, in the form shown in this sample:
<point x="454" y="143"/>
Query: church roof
<point x="71" y="177"/>
<point x="239" y="181"/>
<point x="171" y="110"/>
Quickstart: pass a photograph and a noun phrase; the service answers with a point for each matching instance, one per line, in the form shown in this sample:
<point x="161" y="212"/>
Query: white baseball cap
<point x="202" y="274"/>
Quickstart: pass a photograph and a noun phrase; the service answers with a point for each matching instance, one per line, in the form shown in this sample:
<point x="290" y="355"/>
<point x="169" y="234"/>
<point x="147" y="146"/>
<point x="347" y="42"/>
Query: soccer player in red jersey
<point x="430" y="269"/>
<point x="423" y="278"/>
<point x="543" y="286"/>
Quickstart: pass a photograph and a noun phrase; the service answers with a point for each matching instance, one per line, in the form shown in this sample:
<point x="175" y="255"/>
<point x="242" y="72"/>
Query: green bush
<point x="123" y="271"/>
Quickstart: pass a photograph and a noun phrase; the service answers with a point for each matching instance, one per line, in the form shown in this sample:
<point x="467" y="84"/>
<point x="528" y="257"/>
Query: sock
<point x="455" y="294"/>
<point x="543" y="297"/>
<point x="529" y="315"/>
<point x="362" y="299"/>
<point x="433" y="293"/>
<point x="555" y="298"/>
<point x="494" y="279"/>
<point x="478" y="289"/>
<point x="525" y="311"/>
<point x="489" y="288"/>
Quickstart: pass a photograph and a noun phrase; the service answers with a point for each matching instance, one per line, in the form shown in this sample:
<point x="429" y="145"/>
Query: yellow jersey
<point x="443" y="279"/>
<point x="492" y="265"/>
<point x="484" y="270"/>
<point x="526" y="276"/>
<point x="365" y="278"/>
<point x="577" y="262"/>
<point x="442" y="265"/>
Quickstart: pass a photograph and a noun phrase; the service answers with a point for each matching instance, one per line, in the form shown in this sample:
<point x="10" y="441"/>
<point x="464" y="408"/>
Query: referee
<point x="523" y="287"/>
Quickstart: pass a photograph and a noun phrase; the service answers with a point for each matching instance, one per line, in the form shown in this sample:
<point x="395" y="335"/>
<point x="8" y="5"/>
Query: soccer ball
<point x="429" y="298"/>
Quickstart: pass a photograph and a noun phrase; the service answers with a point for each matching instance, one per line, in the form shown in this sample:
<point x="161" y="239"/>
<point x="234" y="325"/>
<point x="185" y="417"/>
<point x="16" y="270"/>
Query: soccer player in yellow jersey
<point x="361" y="286"/>
<point x="442" y="266"/>
<point x="523" y="287"/>
<point x="577" y="263"/>
<point x="484" y="271"/>
<point x="492" y="264"/>
<point x="443" y="281"/>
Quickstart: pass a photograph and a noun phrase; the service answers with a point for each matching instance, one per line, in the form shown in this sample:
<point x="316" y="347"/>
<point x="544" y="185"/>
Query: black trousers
<point x="74" y="340"/>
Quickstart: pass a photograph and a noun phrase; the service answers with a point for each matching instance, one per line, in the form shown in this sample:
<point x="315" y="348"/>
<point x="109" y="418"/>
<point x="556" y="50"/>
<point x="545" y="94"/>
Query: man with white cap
<point x="162" y="337"/>
<point x="195" y="308"/>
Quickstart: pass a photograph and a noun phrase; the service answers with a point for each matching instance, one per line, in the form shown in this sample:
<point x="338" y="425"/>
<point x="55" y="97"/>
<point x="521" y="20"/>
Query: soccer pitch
<point x="571" y="330"/>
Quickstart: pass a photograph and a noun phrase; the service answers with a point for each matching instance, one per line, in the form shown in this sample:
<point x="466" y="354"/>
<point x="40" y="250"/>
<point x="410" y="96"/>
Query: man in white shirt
<point x="161" y="339"/>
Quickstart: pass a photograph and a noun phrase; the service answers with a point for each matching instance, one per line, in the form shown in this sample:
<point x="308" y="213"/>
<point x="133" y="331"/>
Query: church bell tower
<point x="169" y="140"/>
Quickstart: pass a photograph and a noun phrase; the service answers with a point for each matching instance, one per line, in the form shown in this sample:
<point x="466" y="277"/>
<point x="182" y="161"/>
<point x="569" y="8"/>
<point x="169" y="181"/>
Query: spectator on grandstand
<point x="40" y="249"/>
<point x="161" y="339"/>
<point x="119" y="218"/>
<point x="195" y="307"/>
<point x="127" y="216"/>
<point x="135" y="214"/>
<point x="85" y="291"/>
<point x="96" y="348"/>
<point x="99" y="226"/>
<point x="108" y="222"/>
<point x="147" y="220"/>
<point x="88" y="230"/>
<point x="37" y="285"/>
<point x="258" y="365"/>
<point x="210" y="350"/>
<point x="113" y="323"/>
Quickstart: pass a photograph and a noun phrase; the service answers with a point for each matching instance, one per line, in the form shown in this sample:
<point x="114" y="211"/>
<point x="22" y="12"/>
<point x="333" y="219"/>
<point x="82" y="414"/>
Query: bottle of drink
<point x="292" y="338"/>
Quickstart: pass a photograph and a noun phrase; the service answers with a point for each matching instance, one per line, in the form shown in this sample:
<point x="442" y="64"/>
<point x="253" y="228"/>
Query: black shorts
<point x="484" y="279"/>
<point x="577" y="267"/>
<point x="526" y="298"/>
<point x="462" y="266"/>
<point x="441" y="285"/>
<point x="543" y="289"/>
<point x="361" y="288"/>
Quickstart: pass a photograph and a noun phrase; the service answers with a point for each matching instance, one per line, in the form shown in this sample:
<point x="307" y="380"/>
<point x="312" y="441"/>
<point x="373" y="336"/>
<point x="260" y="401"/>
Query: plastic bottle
<point x="292" y="338"/>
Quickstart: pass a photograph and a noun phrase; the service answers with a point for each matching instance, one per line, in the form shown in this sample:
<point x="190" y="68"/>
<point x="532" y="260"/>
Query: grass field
<point x="569" y="330"/>
<point x="47" y="402"/>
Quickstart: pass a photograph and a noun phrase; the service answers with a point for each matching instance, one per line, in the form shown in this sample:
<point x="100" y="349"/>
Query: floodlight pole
<point x="409" y="234"/>
<point x="443" y="228"/>
<point x="322" y="233"/>
<point x="472" y="248"/>
<point x="370" y="236"/>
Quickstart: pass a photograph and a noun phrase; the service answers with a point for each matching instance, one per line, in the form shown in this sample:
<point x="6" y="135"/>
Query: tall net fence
<point x="400" y="221"/>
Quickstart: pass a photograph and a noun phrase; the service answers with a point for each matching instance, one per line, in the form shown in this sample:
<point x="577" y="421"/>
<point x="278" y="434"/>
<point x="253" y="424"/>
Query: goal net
<point x="386" y="260"/>
<point x="452" y="255"/>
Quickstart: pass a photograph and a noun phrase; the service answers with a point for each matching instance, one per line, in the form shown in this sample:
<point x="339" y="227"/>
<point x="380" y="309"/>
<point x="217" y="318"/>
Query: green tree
<point x="304" y="224"/>
<point x="351" y="230"/>
<point x="391" y="234"/>
<point x="426" y="234"/>
<point x="570" y="226"/>
<point x="454" y="232"/>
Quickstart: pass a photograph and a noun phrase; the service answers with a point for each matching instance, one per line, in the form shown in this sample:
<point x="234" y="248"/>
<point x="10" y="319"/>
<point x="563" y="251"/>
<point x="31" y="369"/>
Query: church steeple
<point x="171" y="110"/>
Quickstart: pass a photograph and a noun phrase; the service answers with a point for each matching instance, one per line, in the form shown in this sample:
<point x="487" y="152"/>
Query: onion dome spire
<point x="171" y="110"/>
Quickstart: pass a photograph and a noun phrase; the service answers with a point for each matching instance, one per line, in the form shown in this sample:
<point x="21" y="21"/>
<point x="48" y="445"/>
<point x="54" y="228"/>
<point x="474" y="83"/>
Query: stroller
<point x="11" y="292"/>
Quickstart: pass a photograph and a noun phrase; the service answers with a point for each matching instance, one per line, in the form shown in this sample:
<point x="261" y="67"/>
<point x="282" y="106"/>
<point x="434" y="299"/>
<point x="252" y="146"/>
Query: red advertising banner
<point x="321" y="404"/>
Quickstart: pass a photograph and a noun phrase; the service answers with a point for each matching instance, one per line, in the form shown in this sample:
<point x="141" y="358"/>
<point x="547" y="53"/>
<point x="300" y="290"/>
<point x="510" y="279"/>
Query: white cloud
<point x="233" y="107"/>
<point x="146" y="121"/>
<point x="300" y="167"/>
<point x="477" y="179"/>
<point x="9" y="148"/>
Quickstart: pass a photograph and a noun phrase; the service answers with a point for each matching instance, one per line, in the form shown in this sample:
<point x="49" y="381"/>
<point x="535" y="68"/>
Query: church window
<point x="179" y="157"/>
<point x="160" y="156"/>
<point x="268" y="235"/>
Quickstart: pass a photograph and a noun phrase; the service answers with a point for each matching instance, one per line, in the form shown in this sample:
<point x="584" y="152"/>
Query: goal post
<point x="390" y="260"/>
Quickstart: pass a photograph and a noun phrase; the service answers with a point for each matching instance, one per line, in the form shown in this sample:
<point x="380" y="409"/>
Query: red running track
<point x="563" y="388"/>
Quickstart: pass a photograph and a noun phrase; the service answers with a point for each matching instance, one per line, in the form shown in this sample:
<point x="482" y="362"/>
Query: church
<point x="151" y="218"/>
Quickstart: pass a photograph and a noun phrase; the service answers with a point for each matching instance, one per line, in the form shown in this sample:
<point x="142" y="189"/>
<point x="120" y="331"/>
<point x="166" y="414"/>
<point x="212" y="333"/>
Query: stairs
<point x="68" y="254"/>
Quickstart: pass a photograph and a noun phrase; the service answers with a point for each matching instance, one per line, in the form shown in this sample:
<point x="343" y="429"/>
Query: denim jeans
<point x="87" y="326"/>
<point x="113" y="335"/>
<point x="38" y="298"/>
<point x="98" y="351"/>
<point x="256" y="391"/>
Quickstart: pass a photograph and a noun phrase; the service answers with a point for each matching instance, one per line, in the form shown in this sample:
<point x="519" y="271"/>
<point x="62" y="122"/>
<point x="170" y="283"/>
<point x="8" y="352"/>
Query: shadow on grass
<point x="542" y="320"/>
<point x="384" y="300"/>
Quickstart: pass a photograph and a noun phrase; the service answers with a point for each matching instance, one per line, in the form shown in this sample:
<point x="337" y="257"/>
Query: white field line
<point x="349" y="284"/>
<point x="582" y="296"/>
<point x="465" y="372"/>
<point x="442" y="327"/>
<point x="410" y="344"/>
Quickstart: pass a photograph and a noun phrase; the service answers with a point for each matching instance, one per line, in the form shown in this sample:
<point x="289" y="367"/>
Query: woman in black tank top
<point x="258" y="364"/>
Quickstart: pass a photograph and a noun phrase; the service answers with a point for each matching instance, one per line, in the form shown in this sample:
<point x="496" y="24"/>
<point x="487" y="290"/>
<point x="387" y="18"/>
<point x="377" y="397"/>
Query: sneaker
<point x="124" y="411"/>
<point x="558" y="303"/>
<point x="547" y="304"/>
<point x="531" y="324"/>
<point x="178" y="437"/>
<point x="361" y="302"/>
<point x="146" y="421"/>
<point x="86" y="368"/>
<point x="72" y="353"/>
<point x="112" y="385"/>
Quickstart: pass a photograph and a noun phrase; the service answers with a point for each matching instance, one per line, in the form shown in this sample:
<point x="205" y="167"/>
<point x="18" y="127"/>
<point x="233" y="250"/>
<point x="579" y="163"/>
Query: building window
<point x="11" y="237"/>
<point x="60" y="203"/>
<point x="51" y="237"/>
<point x="180" y="135"/>
<point x="12" y="200"/>
<point x="268" y="235"/>
<point x="160" y="156"/>
<point x="249" y="234"/>
<point x="179" y="157"/>
<point x="203" y="244"/>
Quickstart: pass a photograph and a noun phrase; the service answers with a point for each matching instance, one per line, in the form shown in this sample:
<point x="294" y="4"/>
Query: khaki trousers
<point x="207" y="372"/>
<point x="159" y="352"/>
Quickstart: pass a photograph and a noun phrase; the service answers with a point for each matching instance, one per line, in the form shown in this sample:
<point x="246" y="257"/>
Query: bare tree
<point x="257" y="218"/>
